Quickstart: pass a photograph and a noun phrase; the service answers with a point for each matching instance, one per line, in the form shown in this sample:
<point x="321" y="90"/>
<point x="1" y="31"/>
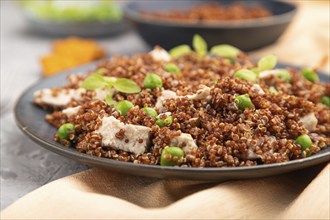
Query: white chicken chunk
<point x="185" y="141"/>
<point x="203" y="93"/>
<point x="101" y="94"/>
<point x="251" y="155"/>
<point x="71" y="111"/>
<point x="268" y="73"/>
<point x="257" y="89"/>
<point x="58" y="97"/>
<point x="159" y="54"/>
<point x="309" y="121"/>
<point x="166" y="94"/>
<point x="136" y="137"/>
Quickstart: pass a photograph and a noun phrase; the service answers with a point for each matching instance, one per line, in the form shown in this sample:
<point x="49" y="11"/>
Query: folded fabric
<point x="100" y="194"/>
<point x="307" y="40"/>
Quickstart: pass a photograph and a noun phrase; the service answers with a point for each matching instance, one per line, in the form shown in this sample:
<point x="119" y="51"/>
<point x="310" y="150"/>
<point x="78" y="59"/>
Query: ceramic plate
<point x="30" y="119"/>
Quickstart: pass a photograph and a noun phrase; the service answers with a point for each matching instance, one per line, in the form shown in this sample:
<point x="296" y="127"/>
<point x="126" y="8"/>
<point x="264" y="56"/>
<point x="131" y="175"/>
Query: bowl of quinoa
<point x="248" y="25"/>
<point x="184" y="110"/>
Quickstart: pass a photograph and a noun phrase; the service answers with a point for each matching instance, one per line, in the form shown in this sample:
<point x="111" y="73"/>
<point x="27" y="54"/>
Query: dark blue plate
<point x="245" y="34"/>
<point x="30" y="119"/>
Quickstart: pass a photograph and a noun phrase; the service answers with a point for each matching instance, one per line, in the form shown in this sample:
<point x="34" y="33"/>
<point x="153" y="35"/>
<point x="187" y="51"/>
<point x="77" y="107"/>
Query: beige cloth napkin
<point x="99" y="194"/>
<point x="307" y="40"/>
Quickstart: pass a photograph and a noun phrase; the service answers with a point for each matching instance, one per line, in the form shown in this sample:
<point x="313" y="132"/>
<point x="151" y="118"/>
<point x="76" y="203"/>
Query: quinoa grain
<point x="224" y="135"/>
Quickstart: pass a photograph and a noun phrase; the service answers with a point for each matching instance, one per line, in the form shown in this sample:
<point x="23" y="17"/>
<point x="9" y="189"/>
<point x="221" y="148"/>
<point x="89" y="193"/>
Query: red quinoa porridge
<point x="201" y="106"/>
<point x="212" y="12"/>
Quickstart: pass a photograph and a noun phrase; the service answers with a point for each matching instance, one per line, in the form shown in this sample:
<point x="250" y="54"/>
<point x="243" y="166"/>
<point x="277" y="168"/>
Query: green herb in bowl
<point x="73" y="11"/>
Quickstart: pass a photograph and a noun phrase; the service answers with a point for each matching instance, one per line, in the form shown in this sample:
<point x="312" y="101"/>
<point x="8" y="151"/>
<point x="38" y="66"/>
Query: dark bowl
<point x="245" y="34"/>
<point x="90" y="29"/>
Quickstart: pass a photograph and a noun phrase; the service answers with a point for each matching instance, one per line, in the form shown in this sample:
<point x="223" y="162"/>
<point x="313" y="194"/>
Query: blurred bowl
<point x="74" y="28"/>
<point x="245" y="34"/>
<point x="80" y="29"/>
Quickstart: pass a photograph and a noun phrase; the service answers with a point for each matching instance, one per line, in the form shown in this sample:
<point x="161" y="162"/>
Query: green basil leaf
<point x="101" y="70"/>
<point x="199" y="45"/>
<point x="110" y="101"/>
<point x="267" y="63"/>
<point x="179" y="51"/>
<point x="255" y="70"/>
<point x="225" y="50"/>
<point x="126" y="86"/>
<point x="94" y="81"/>
<point x="110" y="80"/>
<point x="245" y="74"/>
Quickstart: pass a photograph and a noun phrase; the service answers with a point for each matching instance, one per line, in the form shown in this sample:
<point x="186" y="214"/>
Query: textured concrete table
<point x="26" y="166"/>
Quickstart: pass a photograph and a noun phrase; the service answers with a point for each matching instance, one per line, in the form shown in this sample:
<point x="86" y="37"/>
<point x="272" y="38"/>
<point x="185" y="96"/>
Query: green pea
<point x="172" y="68"/>
<point x="150" y="111"/>
<point x="304" y="141"/>
<point x="243" y="102"/>
<point x="164" y="122"/>
<point x="64" y="131"/>
<point x="171" y="155"/>
<point x="284" y="74"/>
<point x="126" y="86"/>
<point x="124" y="106"/>
<point x="168" y="120"/>
<point x="326" y="100"/>
<point x="152" y="81"/>
<point x="273" y="90"/>
<point x="160" y="122"/>
<point x="310" y="75"/>
<point x="246" y="75"/>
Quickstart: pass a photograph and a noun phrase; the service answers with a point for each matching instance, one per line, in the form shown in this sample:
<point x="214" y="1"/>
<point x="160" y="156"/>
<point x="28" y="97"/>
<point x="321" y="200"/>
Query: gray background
<point x="24" y="165"/>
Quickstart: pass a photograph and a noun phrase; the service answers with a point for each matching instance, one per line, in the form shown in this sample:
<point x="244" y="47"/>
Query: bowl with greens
<point x="88" y="18"/>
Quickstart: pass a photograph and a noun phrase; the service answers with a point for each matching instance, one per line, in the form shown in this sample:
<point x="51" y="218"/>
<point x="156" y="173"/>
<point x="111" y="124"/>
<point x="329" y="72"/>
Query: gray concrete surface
<point x="25" y="166"/>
